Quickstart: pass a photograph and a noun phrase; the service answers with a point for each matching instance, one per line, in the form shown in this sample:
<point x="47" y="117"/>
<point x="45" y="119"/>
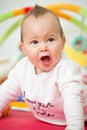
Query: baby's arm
<point x="8" y="93"/>
<point x="72" y="89"/>
<point x="11" y="87"/>
<point x="73" y="108"/>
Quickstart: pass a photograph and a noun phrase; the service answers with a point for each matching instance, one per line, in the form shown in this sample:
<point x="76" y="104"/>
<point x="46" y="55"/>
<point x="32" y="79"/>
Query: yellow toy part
<point x="78" y="57"/>
<point x="6" y="111"/>
<point x="19" y="105"/>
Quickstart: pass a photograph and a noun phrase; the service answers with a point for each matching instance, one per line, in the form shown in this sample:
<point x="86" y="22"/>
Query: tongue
<point x="45" y="60"/>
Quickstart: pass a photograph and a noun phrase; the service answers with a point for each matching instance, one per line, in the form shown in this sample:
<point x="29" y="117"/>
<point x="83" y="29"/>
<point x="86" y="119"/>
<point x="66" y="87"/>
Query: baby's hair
<point x="38" y="11"/>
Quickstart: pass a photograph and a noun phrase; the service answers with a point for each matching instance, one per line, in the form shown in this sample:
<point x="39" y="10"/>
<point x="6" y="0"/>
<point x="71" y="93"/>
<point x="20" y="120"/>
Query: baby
<point x="50" y="82"/>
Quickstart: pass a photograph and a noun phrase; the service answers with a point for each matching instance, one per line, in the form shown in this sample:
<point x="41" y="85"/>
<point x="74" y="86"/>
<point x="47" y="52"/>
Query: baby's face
<point x="42" y="42"/>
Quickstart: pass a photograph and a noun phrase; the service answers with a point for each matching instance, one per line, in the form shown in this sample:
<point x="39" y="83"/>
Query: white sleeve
<point x="9" y="90"/>
<point x="73" y="108"/>
<point x="71" y="89"/>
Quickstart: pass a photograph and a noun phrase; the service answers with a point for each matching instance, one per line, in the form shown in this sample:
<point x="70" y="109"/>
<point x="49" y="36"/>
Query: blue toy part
<point x="20" y="98"/>
<point x="79" y="43"/>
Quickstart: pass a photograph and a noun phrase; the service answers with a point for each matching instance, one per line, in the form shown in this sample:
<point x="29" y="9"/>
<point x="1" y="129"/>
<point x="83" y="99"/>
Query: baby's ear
<point x="63" y="40"/>
<point x="20" y="45"/>
<point x="22" y="48"/>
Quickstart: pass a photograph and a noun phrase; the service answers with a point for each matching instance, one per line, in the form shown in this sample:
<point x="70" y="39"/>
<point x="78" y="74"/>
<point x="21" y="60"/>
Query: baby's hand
<point x="6" y="111"/>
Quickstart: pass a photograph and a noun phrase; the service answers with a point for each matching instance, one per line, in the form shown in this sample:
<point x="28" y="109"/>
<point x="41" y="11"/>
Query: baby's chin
<point x="43" y="70"/>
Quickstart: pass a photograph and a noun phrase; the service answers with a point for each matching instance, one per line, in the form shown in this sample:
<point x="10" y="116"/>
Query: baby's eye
<point x="34" y="42"/>
<point x="50" y="39"/>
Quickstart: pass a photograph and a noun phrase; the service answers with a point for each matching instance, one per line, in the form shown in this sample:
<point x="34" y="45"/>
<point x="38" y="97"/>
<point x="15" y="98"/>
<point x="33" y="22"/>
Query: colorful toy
<point x="79" y="43"/>
<point x="77" y="56"/>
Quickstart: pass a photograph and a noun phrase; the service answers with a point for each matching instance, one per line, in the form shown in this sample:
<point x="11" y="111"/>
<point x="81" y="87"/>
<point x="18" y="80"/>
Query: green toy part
<point x="79" y="43"/>
<point x="10" y="30"/>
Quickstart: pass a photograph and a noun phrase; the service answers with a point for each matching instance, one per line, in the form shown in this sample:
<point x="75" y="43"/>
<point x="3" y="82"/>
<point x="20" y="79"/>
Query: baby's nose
<point x="44" y="49"/>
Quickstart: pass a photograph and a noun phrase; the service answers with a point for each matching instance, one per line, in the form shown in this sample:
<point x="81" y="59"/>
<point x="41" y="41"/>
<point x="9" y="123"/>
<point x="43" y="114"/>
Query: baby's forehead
<point x="45" y="19"/>
<point x="46" y="15"/>
<point x="49" y="18"/>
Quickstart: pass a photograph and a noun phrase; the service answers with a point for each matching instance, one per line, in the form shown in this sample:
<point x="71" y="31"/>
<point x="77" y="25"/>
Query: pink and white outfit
<point x="57" y="97"/>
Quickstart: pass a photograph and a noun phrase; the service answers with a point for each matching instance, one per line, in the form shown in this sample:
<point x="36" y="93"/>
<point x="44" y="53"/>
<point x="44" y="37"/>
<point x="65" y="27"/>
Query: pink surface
<point x="19" y="120"/>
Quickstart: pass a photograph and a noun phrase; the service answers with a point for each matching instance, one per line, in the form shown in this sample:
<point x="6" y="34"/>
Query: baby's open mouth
<point x="45" y="60"/>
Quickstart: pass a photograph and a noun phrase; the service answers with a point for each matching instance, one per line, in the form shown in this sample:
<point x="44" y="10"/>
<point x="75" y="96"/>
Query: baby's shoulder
<point x="67" y="64"/>
<point x="24" y="61"/>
